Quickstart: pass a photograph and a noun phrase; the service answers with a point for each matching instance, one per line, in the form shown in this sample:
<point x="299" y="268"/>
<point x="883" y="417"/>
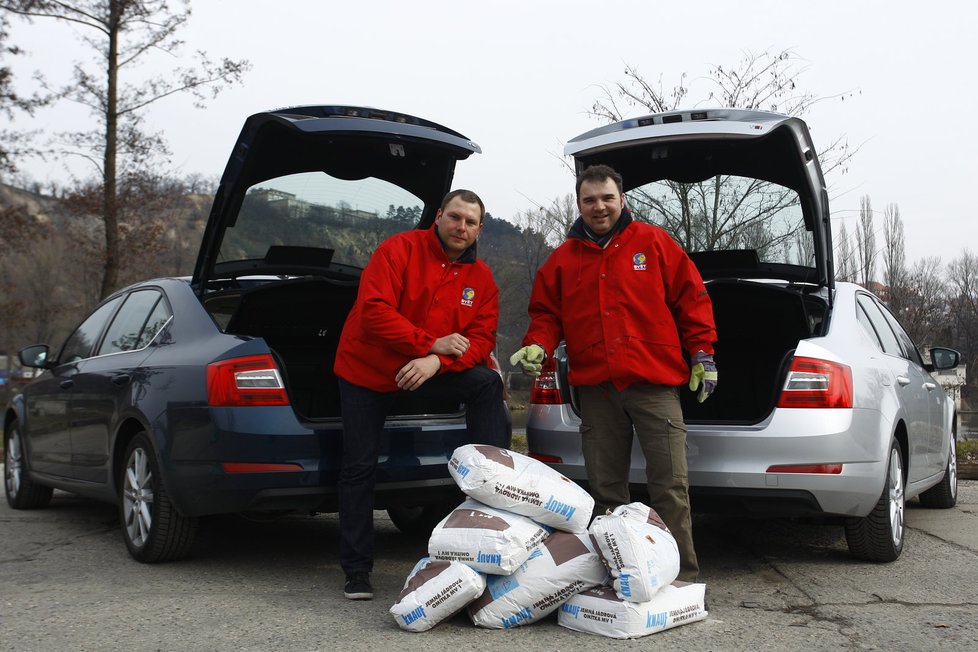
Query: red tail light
<point x="547" y="459"/>
<point x="252" y="380"/>
<point x="814" y="383"/>
<point x="827" y="469"/>
<point x="545" y="389"/>
<point x="493" y="364"/>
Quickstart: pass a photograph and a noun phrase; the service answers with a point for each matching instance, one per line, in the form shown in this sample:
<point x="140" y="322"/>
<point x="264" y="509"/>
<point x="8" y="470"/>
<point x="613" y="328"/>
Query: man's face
<point x="458" y="226"/>
<point x="600" y="204"/>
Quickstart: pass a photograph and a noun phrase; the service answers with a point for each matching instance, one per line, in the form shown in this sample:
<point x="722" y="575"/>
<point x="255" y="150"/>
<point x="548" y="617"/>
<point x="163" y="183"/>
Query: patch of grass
<point x="519" y="444"/>
<point x="967" y="451"/>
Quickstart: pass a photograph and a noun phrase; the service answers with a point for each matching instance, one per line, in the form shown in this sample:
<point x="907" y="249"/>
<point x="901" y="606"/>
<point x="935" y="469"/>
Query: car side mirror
<point x="943" y="358"/>
<point x="35" y="356"/>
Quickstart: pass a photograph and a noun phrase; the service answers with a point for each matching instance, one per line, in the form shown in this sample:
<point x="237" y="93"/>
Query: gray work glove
<point x="703" y="375"/>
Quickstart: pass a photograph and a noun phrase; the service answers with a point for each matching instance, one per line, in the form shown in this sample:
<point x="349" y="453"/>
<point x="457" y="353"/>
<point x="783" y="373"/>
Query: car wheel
<point x="944" y="495"/>
<point x="22" y="492"/>
<point x="151" y="526"/>
<point x="420" y="520"/>
<point x="879" y="536"/>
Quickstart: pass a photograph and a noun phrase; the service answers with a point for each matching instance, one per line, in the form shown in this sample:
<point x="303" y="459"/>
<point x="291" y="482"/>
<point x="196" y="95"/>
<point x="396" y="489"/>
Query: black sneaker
<point x="357" y="586"/>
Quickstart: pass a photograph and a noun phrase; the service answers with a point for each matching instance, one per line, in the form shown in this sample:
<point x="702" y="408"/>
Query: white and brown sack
<point x="563" y="565"/>
<point x="435" y="591"/>
<point x="486" y="539"/>
<point x="600" y="611"/>
<point x="516" y="483"/>
<point x="638" y="549"/>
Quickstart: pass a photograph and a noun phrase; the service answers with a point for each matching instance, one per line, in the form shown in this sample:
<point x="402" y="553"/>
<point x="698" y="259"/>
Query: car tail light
<point x="493" y="364"/>
<point x="547" y="459"/>
<point x="814" y="383"/>
<point x="545" y="389"/>
<point x="252" y="380"/>
<point x="827" y="469"/>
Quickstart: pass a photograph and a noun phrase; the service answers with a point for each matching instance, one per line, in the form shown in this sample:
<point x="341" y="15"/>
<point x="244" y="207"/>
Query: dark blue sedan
<point x="183" y="397"/>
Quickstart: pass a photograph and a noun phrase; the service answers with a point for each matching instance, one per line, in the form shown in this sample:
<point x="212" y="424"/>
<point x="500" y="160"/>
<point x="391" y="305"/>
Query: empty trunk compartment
<point x="759" y="326"/>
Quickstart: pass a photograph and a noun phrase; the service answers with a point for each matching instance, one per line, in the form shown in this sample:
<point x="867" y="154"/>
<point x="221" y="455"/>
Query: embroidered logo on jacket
<point x="638" y="261"/>
<point x="468" y="294"/>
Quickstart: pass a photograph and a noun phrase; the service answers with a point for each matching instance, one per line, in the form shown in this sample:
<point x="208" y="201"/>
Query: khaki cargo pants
<point x="608" y="417"/>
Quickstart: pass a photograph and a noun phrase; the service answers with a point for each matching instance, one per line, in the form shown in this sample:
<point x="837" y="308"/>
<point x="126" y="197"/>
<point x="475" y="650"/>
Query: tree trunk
<point x="110" y="218"/>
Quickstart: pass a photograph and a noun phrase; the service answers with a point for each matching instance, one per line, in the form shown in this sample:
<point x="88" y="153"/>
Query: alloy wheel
<point x="897" y="502"/>
<point x="13" y="464"/>
<point x="137" y="497"/>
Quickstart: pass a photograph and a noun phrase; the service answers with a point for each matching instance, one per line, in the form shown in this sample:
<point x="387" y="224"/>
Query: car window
<point x="79" y="346"/>
<point x="909" y="348"/>
<point x="345" y="219"/>
<point x="125" y="333"/>
<point x="867" y="325"/>
<point x="880" y="325"/>
<point x="157" y="320"/>
<point x="728" y="212"/>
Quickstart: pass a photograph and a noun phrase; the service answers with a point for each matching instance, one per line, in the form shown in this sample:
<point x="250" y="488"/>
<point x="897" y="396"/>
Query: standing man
<point x="424" y="321"/>
<point x="629" y="302"/>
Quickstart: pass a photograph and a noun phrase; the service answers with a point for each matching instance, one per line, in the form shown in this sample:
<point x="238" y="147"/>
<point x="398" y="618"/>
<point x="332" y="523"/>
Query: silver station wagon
<point x="825" y="406"/>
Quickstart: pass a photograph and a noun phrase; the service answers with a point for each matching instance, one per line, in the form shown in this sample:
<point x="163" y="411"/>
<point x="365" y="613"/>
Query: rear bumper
<point x="412" y="465"/>
<point x="728" y="462"/>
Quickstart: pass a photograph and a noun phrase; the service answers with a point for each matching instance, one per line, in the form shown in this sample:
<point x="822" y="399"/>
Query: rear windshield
<point x="729" y="212"/>
<point x="314" y="209"/>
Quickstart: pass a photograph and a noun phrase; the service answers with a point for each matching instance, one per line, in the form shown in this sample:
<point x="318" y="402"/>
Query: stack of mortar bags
<point x="522" y="529"/>
<point x="644" y="597"/>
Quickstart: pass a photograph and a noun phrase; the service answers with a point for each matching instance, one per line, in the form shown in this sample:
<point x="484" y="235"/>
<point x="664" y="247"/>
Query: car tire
<point x="879" y="536"/>
<point x="152" y="528"/>
<point x="944" y="494"/>
<point x="22" y="492"/>
<point x="420" y="520"/>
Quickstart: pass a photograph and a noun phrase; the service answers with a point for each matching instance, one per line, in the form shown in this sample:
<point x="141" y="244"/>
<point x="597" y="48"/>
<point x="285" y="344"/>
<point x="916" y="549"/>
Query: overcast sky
<point x="519" y="79"/>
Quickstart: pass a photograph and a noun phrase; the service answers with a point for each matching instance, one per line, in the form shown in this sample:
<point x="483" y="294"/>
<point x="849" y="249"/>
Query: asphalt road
<point x="67" y="583"/>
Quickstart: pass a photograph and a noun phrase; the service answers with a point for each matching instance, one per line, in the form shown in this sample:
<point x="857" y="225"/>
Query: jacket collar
<point x="468" y="256"/>
<point x="580" y="231"/>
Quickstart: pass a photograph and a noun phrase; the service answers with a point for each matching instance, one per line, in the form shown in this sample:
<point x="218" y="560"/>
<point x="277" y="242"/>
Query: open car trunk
<point x="301" y="320"/>
<point x="308" y="194"/>
<point x="759" y="326"/>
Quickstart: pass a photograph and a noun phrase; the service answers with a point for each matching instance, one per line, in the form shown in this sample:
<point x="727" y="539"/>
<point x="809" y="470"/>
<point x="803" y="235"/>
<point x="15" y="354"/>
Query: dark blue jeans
<point x="364" y="413"/>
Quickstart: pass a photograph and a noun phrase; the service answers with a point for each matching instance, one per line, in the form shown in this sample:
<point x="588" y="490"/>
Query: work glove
<point x="530" y="357"/>
<point x="703" y="375"/>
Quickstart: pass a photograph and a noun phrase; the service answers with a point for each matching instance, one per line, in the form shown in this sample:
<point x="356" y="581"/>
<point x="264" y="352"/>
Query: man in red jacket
<point x="629" y="303"/>
<point x="424" y="321"/>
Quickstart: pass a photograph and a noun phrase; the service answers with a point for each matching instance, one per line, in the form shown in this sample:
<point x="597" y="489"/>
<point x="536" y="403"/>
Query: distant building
<point x="880" y="290"/>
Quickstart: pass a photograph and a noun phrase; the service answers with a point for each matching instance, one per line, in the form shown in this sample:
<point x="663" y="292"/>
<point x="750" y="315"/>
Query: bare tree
<point x="894" y="256"/>
<point x="125" y="33"/>
<point x="13" y="143"/>
<point x="924" y="303"/>
<point x="726" y="212"/>
<point x="866" y="242"/>
<point x="537" y="228"/>
<point x="963" y="300"/>
<point x="845" y="259"/>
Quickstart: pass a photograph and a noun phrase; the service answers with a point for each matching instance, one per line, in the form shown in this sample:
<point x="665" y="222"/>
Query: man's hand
<point x="703" y="375"/>
<point x="453" y="344"/>
<point x="415" y="373"/>
<point x="530" y="358"/>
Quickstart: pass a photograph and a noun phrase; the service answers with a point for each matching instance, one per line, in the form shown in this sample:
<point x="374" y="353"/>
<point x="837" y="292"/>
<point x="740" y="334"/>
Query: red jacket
<point x="410" y="295"/>
<point x="626" y="311"/>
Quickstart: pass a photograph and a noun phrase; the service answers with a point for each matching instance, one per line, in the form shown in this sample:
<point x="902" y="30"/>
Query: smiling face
<point x="459" y="225"/>
<point x="601" y="204"/>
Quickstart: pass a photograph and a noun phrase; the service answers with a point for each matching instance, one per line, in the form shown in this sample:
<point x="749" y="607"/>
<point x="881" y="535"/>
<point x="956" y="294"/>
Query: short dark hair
<point x="468" y="197"/>
<point x="598" y="173"/>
